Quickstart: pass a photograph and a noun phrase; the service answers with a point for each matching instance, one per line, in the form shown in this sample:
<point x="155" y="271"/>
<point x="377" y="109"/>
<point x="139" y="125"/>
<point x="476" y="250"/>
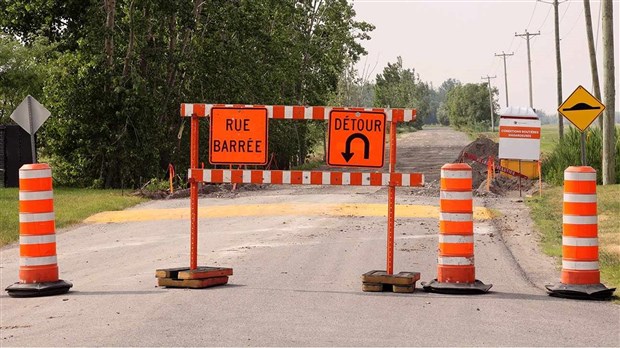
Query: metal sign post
<point x="30" y="115"/>
<point x="391" y="202"/>
<point x="31" y="131"/>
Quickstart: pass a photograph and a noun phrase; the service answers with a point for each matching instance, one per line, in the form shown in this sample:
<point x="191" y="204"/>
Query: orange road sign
<point x="238" y="136"/>
<point x="356" y="138"/>
<point x="581" y="108"/>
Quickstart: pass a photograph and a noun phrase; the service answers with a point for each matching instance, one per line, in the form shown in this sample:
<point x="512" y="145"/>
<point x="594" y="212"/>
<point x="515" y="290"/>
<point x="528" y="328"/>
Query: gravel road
<point x="297" y="275"/>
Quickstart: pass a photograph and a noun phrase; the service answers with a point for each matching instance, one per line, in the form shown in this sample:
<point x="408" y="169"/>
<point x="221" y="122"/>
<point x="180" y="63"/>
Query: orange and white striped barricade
<point x="580" y="270"/>
<point x="455" y="264"/>
<point x="38" y="268"/>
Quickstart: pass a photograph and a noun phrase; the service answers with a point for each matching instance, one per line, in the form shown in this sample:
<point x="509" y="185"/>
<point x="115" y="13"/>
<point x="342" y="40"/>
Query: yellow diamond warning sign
<point x="581" y="108"/>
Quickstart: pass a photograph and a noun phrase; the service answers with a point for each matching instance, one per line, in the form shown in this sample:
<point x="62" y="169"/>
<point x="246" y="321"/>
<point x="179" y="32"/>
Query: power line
<point x="558" y="60"/>
<point x="545" y="20"/>
<point x="565" y="10"/>
<point x="573" y="26"/>
<point x="532" y="16"/>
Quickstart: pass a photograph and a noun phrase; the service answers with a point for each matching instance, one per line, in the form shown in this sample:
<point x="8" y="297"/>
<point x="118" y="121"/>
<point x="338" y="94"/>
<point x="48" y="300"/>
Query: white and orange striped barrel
<point x="455" y="263"/>
<point x="37" y="231"/>
<point x="580" y="227"/>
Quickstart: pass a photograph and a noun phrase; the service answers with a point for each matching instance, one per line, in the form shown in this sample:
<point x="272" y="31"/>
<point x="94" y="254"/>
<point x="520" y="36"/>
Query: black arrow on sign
<point x="347" y="154"/>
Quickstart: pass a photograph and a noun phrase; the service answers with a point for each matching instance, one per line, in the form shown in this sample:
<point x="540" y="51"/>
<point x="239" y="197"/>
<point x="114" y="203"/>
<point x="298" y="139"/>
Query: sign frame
<point x="213" y="135"/>
<point x="368" y="144"/>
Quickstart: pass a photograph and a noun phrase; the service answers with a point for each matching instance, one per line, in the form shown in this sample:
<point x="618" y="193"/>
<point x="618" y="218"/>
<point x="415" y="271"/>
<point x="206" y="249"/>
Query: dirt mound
<point x="482" y="148"/>
<point x="501" y="185"/>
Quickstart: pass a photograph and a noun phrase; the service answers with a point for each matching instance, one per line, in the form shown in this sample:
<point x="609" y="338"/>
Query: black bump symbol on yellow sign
<point x="581" y="106"/>
<point x="347" y="154"/>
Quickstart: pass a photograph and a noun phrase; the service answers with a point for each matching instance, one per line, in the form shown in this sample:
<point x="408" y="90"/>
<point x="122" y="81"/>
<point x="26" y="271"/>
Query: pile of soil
<point x="502" y="185"/>
<point x="482" y="148"/>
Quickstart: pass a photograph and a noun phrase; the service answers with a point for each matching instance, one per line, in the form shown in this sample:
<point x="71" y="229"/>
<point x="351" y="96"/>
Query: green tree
<point x="441" y="97"/>
<point x="23" y="71"/>
<point x="468" y="106"/>
<point x="123" y="68"/>
<point x="397" y="87"/>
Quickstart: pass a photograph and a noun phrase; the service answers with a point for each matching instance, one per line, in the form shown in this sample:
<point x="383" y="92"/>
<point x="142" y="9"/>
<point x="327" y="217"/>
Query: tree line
<point x="114" y="72"/>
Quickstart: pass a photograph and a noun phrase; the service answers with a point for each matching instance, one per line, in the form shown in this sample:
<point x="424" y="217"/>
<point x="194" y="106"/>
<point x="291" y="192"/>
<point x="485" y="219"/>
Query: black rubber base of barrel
<point x="39" y="289"/>
<point x="476" y="287"/>
<point x="597" y="292"/>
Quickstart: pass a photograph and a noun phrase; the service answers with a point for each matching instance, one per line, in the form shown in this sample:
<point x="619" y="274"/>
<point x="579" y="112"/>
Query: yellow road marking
<point x="210" y="212"/>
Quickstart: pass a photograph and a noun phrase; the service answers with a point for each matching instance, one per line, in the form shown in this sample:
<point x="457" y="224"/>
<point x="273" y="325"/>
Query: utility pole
<point x="609" y="129"/>
<point x="593" y="64"/>
<point x="558" y="62"/>
<point x="504" y="55"/>
<point x="529" y="61"/>
<point x="488" y="78"/>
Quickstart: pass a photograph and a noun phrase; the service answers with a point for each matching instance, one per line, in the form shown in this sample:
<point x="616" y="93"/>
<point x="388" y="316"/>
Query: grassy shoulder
<point x="70" y="205"/>
<point x="547" y="214"/>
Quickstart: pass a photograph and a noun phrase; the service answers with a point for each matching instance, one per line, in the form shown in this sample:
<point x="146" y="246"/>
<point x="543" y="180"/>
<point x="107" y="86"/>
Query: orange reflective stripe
<point x="356" y="179"/>
<point x="456" y="184"/>
<point x="36" y="184"/>
<point x="296" y="177"/>
<point x="456" y="227"/>
<point x="580" y="253"/>
<point x="38" y="206"/>
<point x="583" y="187"/>
<point x="37" y="250"/>
<point x="276" y="177"/>
<point x="576" y="208"/>
<point x="456" y="205"/>
<point x="574" y="230"/>
<point x="37" y="228"/>
<point x="456" y="249"/>
<point x="580" y="277"/>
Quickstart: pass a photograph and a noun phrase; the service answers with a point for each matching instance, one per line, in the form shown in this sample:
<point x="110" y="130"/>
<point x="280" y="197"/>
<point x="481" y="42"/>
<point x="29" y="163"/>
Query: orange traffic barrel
<point x="455" y="264"/>
<point x="580" y="277"/>
<point x="38" y="268"/>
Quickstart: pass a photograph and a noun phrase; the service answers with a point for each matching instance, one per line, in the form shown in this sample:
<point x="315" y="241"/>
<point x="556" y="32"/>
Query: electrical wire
<point x="532" y="16"/>
<point x="573" y="27"/>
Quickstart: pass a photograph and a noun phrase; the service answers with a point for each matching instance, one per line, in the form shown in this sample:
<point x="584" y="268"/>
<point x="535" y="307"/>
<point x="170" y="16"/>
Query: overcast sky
<point x="458" y="39"/>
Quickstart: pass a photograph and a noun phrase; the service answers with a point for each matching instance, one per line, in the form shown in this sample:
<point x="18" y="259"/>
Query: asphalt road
<point x="296" y="278"/>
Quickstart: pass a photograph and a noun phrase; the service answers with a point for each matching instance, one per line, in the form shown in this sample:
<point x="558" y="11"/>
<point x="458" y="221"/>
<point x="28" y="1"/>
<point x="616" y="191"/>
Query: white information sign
<point x="519" y="138"/>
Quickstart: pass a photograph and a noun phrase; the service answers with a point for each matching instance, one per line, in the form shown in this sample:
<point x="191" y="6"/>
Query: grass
<point x="547" y="214"/>
<point x="549" y="135"/>
<point x="70" y="205"/>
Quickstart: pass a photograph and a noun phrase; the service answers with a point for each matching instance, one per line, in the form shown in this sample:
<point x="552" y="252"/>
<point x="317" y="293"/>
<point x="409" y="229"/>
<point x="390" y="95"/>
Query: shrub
<point x="568" y="153"/>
